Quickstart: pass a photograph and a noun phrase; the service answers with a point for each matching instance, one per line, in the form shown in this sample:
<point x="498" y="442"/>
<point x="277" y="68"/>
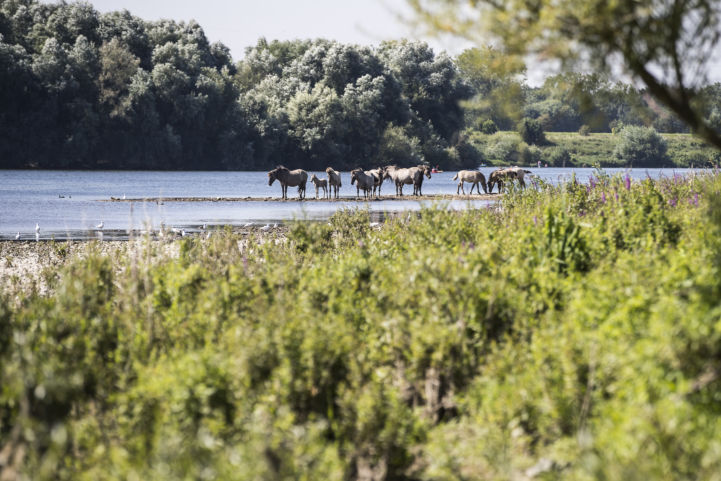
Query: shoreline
<point x="307" y="199"/>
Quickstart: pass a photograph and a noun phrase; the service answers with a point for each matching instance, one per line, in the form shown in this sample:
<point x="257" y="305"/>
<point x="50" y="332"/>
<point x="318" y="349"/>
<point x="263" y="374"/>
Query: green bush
<point x="558" y="157"/>
<point x="489" y="127"/>
<point x="503" y="150"/>
<point x="641" y="146"/>
<point x="529" y="154"/>
<point x="469" y="156"/>
<point x="570" y="334"/>
<point x="531" y="131"/>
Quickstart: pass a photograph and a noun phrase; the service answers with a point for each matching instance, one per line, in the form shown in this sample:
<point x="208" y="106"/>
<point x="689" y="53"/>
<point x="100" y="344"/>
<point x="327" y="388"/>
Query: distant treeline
<point x="81" y="89"/>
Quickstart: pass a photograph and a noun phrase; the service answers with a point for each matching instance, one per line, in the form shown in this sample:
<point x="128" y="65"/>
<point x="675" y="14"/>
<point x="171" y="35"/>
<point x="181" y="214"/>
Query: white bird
<point x="175" y="230"/>
<point x="248" y="224"/>
<point x="275" y="226"/>
<point x="373" y="224"/>
<point x="207" y="236"/>
<point x="37" y="228"/>
<point x="265" y="227"/>
<point x="100" y="226"/>
<point x="182" y="233"/>
<point x="17" y="236"/>
<point x="123" y="196"/>
<point x="205" y="226"/>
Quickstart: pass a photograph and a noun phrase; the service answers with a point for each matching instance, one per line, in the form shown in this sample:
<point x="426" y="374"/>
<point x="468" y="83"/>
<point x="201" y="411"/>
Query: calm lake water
<point x="68" y="204"/>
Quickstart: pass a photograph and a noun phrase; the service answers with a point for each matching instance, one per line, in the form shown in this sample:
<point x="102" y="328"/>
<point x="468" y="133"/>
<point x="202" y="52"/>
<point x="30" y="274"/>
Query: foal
<point x="320" y="183"/>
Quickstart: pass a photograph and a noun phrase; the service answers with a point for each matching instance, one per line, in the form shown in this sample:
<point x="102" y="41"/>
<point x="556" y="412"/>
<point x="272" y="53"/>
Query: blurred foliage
<point x="571" y="332"/>
<point x="663" y="45"/>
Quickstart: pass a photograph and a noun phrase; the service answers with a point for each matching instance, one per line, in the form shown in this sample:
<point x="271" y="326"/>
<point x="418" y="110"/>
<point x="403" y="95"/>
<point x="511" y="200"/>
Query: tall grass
<point x="572" y="333"/>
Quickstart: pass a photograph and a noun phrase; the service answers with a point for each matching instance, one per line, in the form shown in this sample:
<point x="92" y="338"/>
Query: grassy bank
<point x="573" y="334"/>
<point x="570" y="149"/>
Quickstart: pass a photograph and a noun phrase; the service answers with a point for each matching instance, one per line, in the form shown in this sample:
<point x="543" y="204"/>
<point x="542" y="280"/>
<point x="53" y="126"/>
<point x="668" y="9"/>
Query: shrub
<point x="531" y="131"/>
<point x="489" y="127"/>
<point x="529" y="154"/>
<point x="584" y="131"/>
<point x="504" y="150"/>
<point x="469" y="156"/>
<point x="641" y="146"/>
<point x="558" y="157"/>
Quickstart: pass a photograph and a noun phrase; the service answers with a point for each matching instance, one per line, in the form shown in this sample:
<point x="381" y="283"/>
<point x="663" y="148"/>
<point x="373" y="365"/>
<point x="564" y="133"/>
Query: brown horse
<point x="500" y="176"/>
<point x="292" y="178"/>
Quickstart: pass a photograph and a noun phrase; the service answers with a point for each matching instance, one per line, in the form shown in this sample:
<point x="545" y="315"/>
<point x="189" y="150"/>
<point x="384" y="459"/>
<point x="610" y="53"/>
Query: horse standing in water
<point x="473" y="177"/>
<point x="363" y="181"/>
<point x="412" y="175"/>
<point x="320" y="184"/>
<point x="298" y="177"/>
<point x="501" y="176"/>
<point x="334" y="180"/>
<point x="378" y="176"/>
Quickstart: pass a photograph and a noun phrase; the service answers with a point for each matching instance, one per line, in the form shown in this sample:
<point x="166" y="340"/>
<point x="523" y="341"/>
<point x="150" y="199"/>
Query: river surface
<point x="70" y="204"/>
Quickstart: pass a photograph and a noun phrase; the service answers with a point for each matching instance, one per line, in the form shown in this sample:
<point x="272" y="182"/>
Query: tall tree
<point x="665" y="44"/>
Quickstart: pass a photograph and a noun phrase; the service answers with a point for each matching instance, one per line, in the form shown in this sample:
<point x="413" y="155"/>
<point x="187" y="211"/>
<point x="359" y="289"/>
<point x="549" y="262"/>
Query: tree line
<point x="90" y="90"/>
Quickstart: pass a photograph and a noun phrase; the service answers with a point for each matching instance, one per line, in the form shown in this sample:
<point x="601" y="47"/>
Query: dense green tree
<point x="81" y="89"/>
<point x="531" y="131"/>
<point x="641" y="146"/>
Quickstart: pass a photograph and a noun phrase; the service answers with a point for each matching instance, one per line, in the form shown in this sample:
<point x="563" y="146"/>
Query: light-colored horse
<point x="520" y="175"/>
<point x="472" y="177"/>
<point x="298" y="177"/>
<point x="334" y="180"/>
<point x="363" y="181"/>
<point x="320" y="184"/>
<point x="378" y="175"/>
<point x="411" y="175"/>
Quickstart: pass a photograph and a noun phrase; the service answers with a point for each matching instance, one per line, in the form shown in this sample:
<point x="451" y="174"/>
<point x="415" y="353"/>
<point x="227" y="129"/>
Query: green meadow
<point x="570" y="149"/>
<point x="570" y="332"/>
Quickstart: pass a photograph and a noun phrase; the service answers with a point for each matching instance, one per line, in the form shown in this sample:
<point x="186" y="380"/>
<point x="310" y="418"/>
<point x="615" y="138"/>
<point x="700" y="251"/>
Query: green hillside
<point x="597" y="149"/>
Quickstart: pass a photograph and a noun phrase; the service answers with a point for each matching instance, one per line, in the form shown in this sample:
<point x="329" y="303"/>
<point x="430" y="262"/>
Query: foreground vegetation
<point x="574" y="333"/>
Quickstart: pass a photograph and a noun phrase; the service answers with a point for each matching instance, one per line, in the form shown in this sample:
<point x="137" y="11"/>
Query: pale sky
<point x="239" y="24"/>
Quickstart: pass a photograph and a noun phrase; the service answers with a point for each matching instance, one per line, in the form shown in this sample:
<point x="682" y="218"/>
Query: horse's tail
<point x="455" y="177"/>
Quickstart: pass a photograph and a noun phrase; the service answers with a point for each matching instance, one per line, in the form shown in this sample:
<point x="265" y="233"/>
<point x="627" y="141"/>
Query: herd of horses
<point x="370" y="181"/>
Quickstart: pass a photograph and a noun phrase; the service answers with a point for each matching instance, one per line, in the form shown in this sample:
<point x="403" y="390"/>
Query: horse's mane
<point x="280" y="167"/>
